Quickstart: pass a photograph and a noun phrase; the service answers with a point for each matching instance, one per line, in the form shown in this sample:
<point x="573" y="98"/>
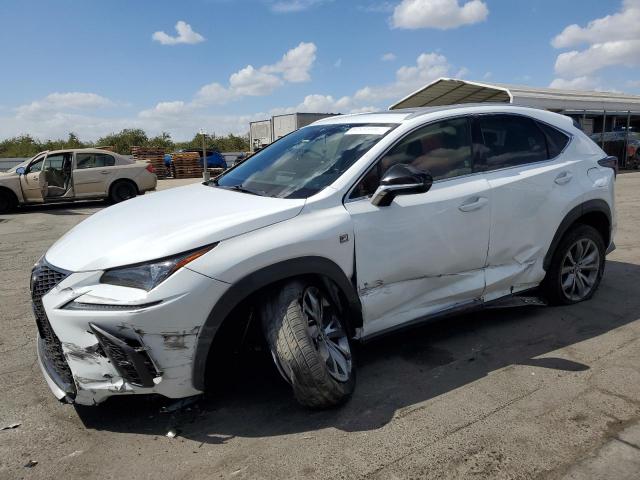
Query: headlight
<point x="150" y="274"/>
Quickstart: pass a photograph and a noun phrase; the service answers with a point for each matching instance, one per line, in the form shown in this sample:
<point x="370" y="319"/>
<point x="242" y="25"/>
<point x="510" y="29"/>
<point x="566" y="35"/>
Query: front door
<point x="425" y="252"/>
<point x="33" y="181"/>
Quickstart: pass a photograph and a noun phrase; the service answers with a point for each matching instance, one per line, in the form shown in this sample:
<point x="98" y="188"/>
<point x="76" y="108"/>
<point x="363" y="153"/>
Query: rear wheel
<point x="121" y="191"/>
<point x="7" y="202"/>
<point x="576" y="268"/>
<point x="309" y="344"/>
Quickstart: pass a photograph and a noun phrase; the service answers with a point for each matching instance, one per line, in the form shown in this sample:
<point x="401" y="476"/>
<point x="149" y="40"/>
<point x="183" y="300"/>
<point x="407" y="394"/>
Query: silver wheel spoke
<point x="327" y="334"/>
<point x="338" y="358"/>
<point x="580" y="268"/>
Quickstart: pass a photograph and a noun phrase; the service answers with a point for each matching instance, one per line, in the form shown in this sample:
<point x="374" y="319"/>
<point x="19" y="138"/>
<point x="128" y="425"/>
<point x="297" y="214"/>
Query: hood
<point x="165" y="223"/>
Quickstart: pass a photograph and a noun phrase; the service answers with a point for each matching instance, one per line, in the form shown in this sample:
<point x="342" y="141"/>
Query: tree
<point x="28" y="146"/>
<point x="163" y="140"/>
<point x="124" y="140"/>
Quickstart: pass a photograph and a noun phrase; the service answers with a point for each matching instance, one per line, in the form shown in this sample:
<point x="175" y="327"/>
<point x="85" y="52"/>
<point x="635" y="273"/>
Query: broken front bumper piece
<point x="96" y="341"/>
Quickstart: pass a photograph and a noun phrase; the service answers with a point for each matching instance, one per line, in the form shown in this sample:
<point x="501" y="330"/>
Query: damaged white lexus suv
<point x="349" y="228"/>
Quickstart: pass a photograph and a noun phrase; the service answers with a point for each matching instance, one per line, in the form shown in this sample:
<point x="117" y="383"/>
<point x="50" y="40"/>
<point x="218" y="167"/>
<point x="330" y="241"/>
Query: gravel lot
<point x="520" y="393"/>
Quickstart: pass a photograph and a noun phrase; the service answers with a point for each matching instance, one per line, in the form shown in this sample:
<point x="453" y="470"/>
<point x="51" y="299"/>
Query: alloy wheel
<point x="327" y="333"/>
<point x="580" y="269"/>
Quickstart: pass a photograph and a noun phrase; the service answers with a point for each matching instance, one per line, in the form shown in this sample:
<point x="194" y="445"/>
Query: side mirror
<point x="401" y="179"/>
<point x="20" y="170"/>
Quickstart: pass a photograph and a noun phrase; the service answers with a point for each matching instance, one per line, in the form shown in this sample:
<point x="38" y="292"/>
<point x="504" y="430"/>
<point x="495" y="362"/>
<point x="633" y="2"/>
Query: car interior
<point x="57" y="172"/>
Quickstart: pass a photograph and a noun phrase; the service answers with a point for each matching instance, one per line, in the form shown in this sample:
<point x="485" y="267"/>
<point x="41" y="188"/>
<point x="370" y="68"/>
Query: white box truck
<point x="285" y="124"/>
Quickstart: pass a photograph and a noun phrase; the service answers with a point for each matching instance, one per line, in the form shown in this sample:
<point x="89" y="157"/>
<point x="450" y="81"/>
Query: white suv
<point x="341" y="231"/>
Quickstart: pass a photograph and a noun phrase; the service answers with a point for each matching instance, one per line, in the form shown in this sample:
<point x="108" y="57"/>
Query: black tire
<point x="7" y="202"/>
<point x="122" y="190"/>
<point x="552" y="285"/>
<point x="298" y="356"/>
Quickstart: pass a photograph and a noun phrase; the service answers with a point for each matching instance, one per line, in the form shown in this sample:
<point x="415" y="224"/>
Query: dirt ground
<point x="522" y="393"/>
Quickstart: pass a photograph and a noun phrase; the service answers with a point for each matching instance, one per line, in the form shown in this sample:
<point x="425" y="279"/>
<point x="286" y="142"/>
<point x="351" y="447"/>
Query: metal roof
<point x="447" y="91"/>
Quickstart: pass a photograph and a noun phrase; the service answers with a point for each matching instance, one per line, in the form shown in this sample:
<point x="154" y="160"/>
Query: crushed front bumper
<point x="123" y="340"/>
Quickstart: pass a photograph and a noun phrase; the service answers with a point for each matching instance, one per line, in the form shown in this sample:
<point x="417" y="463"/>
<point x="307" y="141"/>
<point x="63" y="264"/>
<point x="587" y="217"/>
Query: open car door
<point x="33" y="181"/>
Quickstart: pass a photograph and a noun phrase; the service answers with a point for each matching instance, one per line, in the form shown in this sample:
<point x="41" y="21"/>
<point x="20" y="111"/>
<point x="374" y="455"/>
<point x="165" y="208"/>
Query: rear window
<point x="556" y="140"/>
<point x="510" y="140"/>
<point x="94" y="160"/>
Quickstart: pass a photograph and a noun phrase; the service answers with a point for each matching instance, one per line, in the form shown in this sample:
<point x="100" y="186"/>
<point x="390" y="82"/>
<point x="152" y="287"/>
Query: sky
<point x="93" y="67"/>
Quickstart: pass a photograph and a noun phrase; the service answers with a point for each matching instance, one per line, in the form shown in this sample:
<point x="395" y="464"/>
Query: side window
<point x="104" y="160"/>
<point x="85" y="160"/>
<point x="54" y="162"/>
<point x="36" y="166"/>
<point x="442" y="148"/>
<point x="556" y="140"/>
<point x="94" y="160"/>
<point x="510" y="140"/>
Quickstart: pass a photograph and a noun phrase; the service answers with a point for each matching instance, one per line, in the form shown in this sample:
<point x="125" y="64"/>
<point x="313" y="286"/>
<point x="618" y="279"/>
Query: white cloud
<point x="578" y="83"/>
<point x="440" y="14"/>
<point x="165" y="109"/>
<point x="623" y="25"/>
<point x="338" y="63"/>
<point x="597" y="57"/>
<point x="294" y="67"/>
<point x="64" y="101"/>
<point x="185" y="35"/>
<point x="428" y="67"/>
<point x="288" y="6"/>
<point x="388" y="57"/>
<point x="610" y="40"/>
<point x="253" y="83"/>
<point x="295" y="64"/>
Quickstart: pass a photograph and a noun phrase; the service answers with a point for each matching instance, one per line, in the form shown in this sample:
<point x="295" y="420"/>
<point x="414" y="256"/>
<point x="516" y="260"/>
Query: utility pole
<point x="205" y="173"/>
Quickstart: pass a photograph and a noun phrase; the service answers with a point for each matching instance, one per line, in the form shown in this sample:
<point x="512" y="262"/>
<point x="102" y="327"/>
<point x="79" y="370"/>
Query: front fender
<point x="258" y="280"/>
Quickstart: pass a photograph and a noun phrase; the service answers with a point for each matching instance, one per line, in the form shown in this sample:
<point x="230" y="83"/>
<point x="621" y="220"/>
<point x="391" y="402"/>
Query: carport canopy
<point x="450" y="91"/>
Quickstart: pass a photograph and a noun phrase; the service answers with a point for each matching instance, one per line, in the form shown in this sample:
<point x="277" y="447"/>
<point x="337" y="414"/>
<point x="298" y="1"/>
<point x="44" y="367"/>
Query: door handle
<point x="104" y="172"/>
<point x="472" y="204"/>
<point x="563" y="178"/>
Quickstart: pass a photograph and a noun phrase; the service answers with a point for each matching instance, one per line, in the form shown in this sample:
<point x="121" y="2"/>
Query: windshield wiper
<point x="240" y="188"/>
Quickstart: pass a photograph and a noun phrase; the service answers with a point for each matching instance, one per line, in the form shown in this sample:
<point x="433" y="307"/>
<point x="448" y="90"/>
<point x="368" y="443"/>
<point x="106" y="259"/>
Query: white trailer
<point x="260" y="134"/>
<point x="285" y="124"/>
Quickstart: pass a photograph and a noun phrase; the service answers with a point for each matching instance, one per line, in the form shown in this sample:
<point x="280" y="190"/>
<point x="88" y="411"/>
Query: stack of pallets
<point x="108" y="148"/>
<point x="214" y="172"/>
<point x="186" y="165"/>
<point x="152" y="155"/>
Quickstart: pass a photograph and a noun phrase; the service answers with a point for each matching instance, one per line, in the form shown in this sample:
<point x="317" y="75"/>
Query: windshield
<point x="305" y="161"/>
<point x="23" y="164"/>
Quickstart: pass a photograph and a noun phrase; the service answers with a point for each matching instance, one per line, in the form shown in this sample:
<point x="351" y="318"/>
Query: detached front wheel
<point x="309" y="344"/>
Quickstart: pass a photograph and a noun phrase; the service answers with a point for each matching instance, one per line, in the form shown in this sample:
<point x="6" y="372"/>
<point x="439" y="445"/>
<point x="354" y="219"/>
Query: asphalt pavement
<point x="520" y="393"/>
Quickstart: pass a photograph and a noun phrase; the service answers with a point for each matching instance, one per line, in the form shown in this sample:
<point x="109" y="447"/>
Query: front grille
<point x="43" y="278"/>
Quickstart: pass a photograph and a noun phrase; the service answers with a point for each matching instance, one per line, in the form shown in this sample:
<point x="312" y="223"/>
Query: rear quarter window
<point x="556" y="140"/>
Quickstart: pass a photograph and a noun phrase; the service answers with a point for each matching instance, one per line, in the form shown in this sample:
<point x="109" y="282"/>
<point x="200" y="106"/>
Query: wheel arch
<point x="12" y="195"/>
<point x="334" y="279"/>
<point x="115" y="181"/>
<point x="595" y="213"/>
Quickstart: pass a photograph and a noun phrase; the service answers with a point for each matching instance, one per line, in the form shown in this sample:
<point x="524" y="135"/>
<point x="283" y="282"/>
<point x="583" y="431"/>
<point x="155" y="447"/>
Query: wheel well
<point x="10" y="193"/>
<point x="599" y="221"/>
<point x="595" y="213"/>
<point x="123" y="180"/>
<point x="240" y="332"/>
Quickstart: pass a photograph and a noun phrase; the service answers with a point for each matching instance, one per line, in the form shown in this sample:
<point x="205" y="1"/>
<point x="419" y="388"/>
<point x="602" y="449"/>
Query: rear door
<point x="33" y="182"/>
<point x="92" y="173"/>
<point x="425" y="252"/>
<point x="532" y="188"/>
